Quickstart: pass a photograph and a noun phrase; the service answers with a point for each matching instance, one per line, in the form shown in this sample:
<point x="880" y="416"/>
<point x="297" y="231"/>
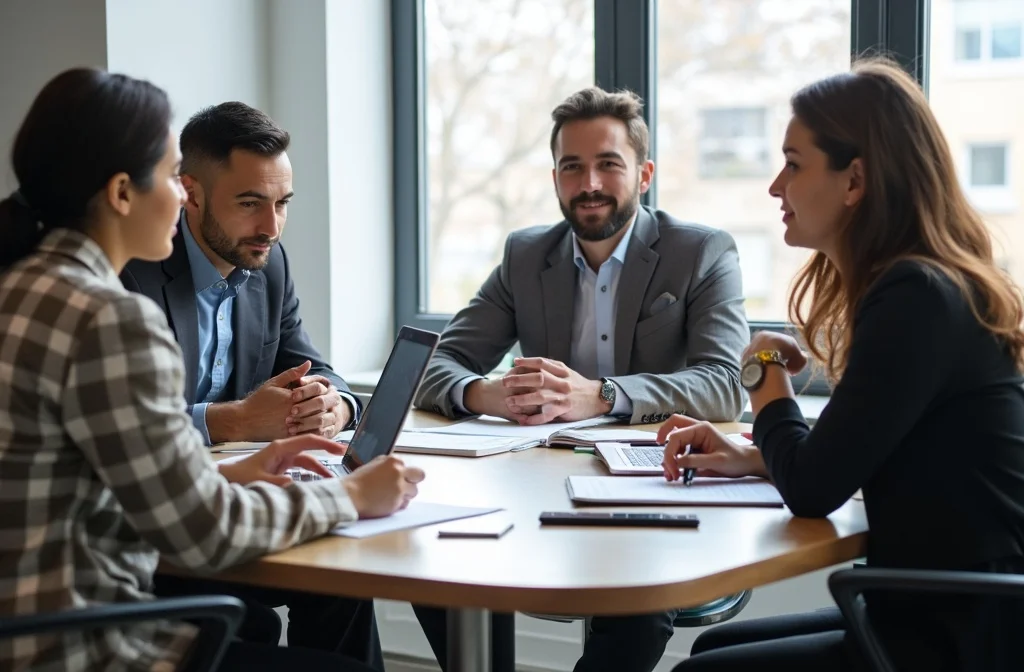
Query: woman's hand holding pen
<point x="692" y="444"/>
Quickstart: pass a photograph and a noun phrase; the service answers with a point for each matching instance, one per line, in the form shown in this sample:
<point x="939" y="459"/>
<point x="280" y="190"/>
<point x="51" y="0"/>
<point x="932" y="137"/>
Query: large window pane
<point x="493" y="75"/>
<point x="978" y="107"/>
<point x="726" y="70"/>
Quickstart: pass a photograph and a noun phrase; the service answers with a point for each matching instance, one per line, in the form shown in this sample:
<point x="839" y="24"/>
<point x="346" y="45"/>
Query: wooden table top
<point x="560" y="570"/>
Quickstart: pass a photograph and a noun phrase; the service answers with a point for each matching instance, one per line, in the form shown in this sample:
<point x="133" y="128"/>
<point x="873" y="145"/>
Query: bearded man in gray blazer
<point x="619" y="310"/>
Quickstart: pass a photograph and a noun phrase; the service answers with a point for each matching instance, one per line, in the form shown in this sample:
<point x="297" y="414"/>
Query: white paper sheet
<point x="656" y="490"/>
<point x="417" y="514"/>
<point x="488" y="425"/>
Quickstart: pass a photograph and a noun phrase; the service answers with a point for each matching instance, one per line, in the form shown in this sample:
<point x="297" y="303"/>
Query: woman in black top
<point x="920" y="331"/>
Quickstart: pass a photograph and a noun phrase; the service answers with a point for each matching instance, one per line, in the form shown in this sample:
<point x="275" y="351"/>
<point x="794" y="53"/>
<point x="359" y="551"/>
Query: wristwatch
<point x="752" y="373"/>
<point x="608" y="391"/>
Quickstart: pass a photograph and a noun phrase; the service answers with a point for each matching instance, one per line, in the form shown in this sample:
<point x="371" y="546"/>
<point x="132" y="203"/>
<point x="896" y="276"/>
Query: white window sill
<point x="364" y="382"/>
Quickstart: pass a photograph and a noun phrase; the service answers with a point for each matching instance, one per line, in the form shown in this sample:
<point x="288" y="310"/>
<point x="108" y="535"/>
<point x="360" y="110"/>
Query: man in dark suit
<point x="252" y="373"/>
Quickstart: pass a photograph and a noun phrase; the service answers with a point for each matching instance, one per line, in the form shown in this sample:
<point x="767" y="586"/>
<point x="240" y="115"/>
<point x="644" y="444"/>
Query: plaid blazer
<point x="101" y="470"/>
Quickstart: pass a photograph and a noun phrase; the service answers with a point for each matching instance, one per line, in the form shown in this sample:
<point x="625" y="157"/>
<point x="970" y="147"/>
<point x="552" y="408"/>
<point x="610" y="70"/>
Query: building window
<point x="734" y="143"/>
<point x="988" y="165"/>
<point x="987" y="178"/>
<point x="1006" y="41"/>
<point x="968" y="44"/>
<point x="985" y="31"/>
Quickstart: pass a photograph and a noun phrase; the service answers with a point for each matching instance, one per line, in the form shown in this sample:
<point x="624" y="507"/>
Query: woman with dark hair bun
<point x="101" y="470"/>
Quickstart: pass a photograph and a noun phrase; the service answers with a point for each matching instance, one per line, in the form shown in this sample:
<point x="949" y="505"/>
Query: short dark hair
<point x="593" y="102"/>
<point x="214" y="132"/>
<point x="84" y="127"/>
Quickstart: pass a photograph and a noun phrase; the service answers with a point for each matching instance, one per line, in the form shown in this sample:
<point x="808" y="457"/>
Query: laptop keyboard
<point x="300" y="474"/>
<point x="644" y="457"/>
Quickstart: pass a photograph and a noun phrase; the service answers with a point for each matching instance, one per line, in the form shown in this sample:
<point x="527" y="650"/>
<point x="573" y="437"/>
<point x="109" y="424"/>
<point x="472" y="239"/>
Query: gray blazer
<point x="670" y="357"/>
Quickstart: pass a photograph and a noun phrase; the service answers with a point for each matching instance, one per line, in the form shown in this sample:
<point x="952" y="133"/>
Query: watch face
<point x="751" y="374"/>
<point x="608" y="391"/>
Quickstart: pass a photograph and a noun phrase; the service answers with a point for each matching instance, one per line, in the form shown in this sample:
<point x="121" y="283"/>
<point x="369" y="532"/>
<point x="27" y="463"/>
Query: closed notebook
<point x="655" y="490"/>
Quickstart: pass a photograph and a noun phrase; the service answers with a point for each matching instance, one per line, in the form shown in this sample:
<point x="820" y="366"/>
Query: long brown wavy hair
<point x="913" y="208"/>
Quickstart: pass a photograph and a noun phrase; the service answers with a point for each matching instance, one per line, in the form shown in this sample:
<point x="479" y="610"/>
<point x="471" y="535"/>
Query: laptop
<point x="623" y="459"/>
<point x="389" y="405"/>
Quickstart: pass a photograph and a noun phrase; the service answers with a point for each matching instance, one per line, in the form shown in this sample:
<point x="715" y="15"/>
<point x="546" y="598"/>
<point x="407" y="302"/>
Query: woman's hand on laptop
<point x="271" y="463"/>
<point x="382" y="486"/>
<point x="694" y="444"/>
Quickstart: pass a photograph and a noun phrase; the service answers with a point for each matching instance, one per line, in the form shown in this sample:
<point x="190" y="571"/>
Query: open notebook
<point x="499" y="435"/>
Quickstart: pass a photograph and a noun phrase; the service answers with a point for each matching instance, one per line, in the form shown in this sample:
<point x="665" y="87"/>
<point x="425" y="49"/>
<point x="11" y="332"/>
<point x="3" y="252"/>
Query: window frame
<point x="625" y="56"/>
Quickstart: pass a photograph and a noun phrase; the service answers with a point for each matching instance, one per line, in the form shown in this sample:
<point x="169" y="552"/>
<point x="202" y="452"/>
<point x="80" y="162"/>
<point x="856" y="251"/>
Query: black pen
<point x="688" y="476"/>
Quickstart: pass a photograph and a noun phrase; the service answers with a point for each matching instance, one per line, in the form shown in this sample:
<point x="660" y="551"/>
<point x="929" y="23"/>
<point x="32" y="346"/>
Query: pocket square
<point x="662" y="302"/>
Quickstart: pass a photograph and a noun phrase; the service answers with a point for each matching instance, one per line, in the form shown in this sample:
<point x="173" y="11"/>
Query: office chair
<point x="848" y="585"/>
<point x="218" y="615"/>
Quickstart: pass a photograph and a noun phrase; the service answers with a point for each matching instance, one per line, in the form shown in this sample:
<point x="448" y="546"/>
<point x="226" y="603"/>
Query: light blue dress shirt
<point x="592" y="353"/>
<point x="215" y="300"/>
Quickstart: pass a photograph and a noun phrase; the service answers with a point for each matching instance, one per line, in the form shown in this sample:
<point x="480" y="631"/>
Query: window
<point x="755" y="250"/>
<point x="968" y="44"/>
<point x="725" y="73"/>
<point x="1006" y="41"/>
<point x="734" y="143"/>
<point x="987" y="165"/>
<point x="492" y="78"/>
<point x="984" y="31"/>
<point x="474" y="84"/>
<point x="979" y="113"/>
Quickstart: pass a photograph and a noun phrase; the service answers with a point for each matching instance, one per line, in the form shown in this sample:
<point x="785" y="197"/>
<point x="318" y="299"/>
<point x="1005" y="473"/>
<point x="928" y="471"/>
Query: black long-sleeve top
<point x="928" y="420"/>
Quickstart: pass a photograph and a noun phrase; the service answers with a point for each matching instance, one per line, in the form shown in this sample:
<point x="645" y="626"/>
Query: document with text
<point x="656" y="490"/>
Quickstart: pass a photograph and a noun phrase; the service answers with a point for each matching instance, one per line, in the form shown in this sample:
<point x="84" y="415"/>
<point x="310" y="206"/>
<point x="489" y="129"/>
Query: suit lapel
<point x="250" y="318"/>
<point x="637" y="271"/>
<point x="180" y="297"/>
<point x="558" y="283"/>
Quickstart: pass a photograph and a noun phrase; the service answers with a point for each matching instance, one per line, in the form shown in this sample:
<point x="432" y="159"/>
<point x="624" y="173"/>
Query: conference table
<point x="556" y="570"/>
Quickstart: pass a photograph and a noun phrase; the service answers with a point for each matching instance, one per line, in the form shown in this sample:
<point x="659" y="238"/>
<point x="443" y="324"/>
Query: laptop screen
<point x="385" y="413"/>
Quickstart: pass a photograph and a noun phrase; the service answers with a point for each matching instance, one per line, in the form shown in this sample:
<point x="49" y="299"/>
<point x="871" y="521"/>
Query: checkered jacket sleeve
<point x="123" y="407"/>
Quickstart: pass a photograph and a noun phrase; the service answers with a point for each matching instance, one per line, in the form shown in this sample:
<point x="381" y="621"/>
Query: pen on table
<point x="689" y="471"/>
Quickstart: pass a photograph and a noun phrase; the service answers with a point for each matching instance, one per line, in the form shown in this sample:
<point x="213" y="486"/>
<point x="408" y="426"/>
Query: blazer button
<point x="645" y="419"/>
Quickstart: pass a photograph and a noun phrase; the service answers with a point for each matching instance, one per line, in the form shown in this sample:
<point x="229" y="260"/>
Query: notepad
<point x="656" y="490"/>
<point x="460" y="446"/>
<point x="418" y="514"/>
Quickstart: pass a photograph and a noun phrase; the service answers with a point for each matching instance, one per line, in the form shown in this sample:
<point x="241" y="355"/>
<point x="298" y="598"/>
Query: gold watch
<point x="752" y="373"/>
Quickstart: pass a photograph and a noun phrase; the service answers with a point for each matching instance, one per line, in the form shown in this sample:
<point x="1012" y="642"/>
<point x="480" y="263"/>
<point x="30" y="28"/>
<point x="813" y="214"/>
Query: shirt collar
<point x="204" y="273"/>
<point x="618" y="254"/>
<point x="80" y="247"/>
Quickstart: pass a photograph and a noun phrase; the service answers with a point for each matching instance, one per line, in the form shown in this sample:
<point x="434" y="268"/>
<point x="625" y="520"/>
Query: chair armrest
<point x="223" y="614"/>
<point x="848" y="585"/>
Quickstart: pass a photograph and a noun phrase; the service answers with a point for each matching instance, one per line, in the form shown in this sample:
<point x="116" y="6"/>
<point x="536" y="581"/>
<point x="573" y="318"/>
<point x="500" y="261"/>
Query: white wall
<point x="298" y="102"/>
<point x="38" y="39"/>
<point x="275" y="55"/>
<point x="359" y="146"/>
<point x="200" y="52"/>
